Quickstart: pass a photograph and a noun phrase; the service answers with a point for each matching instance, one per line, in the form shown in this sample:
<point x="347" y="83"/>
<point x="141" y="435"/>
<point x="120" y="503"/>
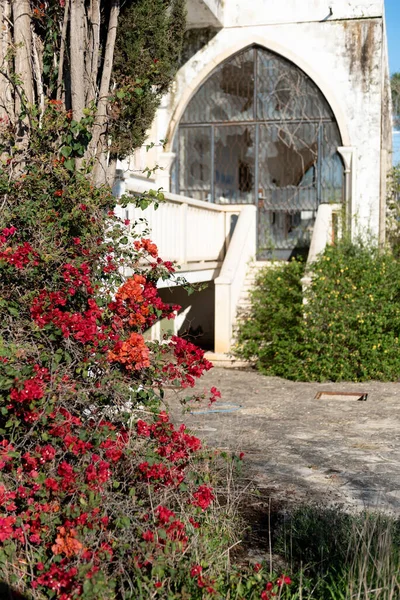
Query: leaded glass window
<point x="259" y="131"/>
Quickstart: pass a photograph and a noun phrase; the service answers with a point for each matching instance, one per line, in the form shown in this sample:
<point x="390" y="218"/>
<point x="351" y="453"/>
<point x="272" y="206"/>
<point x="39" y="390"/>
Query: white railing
<point x="229" y="284"/>
<point x="186" y="230"/>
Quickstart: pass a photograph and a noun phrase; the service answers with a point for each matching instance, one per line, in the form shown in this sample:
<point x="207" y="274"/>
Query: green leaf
<point x="70" y="164"/>
<point x="66" y="151"/>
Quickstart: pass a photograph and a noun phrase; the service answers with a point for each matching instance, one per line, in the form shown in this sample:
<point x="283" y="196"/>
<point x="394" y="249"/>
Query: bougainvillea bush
<point x="100" y="496"/>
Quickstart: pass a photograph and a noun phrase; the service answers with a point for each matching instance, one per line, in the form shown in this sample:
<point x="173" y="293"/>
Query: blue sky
<point x="393" y="32"/>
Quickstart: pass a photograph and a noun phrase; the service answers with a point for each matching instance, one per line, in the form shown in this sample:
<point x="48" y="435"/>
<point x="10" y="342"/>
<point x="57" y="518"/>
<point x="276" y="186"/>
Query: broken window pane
<point x="234" y="164"/>
<point x="260" y="131"/>
<point x="195" y="162"/>
<point x="228" y="95"/>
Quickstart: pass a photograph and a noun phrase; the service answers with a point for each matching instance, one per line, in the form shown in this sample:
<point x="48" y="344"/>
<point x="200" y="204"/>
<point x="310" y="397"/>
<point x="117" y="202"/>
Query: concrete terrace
<point x="299" y="449"/>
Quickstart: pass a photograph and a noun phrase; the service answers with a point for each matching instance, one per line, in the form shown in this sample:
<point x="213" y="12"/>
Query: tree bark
<point x="6" y="99"/>
<point x="60" y="75"/>
<point x="99" y="141"/>
<point x="77" y="43"/>
<point x="37" y="57"/>
<point x="23" y="49"/>
<point x="94" y="49"/>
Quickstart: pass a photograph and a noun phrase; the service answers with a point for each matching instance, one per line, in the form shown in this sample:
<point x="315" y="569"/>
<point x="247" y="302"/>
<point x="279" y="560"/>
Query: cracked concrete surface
<point x="300" y="449"/>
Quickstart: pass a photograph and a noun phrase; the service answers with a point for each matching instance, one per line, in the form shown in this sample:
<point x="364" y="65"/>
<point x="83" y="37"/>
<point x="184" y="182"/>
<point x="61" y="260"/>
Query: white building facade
<point x="273" y="89"/>
<point x="279" y="104"/>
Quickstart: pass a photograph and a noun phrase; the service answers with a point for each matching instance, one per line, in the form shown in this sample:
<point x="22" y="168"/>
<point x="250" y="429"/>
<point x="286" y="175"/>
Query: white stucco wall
<point x="267" y="12"/>
<point x="204" y="13"/>
<point x="343" y="55"/>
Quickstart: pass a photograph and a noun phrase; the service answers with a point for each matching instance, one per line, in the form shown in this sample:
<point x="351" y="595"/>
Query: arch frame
<point x="248" y="42"/>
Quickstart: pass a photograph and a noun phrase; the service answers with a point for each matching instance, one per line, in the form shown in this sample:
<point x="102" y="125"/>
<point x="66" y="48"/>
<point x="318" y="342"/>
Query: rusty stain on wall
<point x="361" y="44"/>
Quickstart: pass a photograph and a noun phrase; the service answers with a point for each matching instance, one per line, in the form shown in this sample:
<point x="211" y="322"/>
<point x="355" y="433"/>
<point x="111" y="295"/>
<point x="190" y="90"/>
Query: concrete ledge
<point x="226" y="360"/>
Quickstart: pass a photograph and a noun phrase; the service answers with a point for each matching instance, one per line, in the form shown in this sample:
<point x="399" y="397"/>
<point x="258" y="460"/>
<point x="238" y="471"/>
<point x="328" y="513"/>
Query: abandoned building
<point x="278" y="119"/>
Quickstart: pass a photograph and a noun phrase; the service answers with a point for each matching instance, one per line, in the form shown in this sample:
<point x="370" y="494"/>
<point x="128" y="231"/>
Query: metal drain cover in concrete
<point x="341" y="396"/>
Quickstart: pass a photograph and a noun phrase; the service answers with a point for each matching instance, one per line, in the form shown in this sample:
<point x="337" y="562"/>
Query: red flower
<point x="143" y="428"/>
<point x="51" y="484"/>
<point x="282" y="580"/>
<point x="48" y="453"/>
<point x="148" y="536"/>
<point x="196" y="570"/>
<point x="215" y="394"/>
<point x="164" y="514"/>
<point x="194" y="523"/>
<point x="32" y="390"/>
<point x="203" y="497"/>
<point x="6" y="528"/>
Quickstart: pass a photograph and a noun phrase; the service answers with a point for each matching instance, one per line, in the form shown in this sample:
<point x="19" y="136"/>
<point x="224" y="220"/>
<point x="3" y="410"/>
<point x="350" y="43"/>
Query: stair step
<point x="244" y="303"/>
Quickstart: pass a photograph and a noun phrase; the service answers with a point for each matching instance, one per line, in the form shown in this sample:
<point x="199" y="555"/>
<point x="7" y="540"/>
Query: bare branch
<point x="62" y="51"/>
<point x="17" y="91"/>
<point x="37" y="51"/>
<point x="94" y="46"/>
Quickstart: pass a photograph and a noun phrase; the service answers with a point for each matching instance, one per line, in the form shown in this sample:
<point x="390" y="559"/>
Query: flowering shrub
<point x="98" y="499"/>
<point x="94" y="502"/>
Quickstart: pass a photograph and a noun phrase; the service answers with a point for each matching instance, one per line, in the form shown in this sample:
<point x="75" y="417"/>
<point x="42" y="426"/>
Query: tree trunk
<point x="94" y="49"/>
<point x="23" y="48"/>
<point x="77" y="49"/>
<point x="98" y="146"/>
<point x="6" y="100"/>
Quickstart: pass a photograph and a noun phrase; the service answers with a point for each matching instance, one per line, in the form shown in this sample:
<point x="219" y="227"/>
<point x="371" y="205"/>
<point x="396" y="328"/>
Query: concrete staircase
<point x="243" y="308"/>
<point x="244" y="303"/>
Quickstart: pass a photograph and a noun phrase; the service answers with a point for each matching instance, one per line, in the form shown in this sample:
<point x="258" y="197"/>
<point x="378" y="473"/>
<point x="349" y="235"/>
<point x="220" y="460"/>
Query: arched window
<point x="259" y="131"/>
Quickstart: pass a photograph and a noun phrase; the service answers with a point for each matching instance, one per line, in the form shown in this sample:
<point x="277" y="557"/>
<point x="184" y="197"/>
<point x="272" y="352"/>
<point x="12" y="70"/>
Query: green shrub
<point x="393" y="211"/>
<point x="348" y="329"/>
<point x="270" y="336"/>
